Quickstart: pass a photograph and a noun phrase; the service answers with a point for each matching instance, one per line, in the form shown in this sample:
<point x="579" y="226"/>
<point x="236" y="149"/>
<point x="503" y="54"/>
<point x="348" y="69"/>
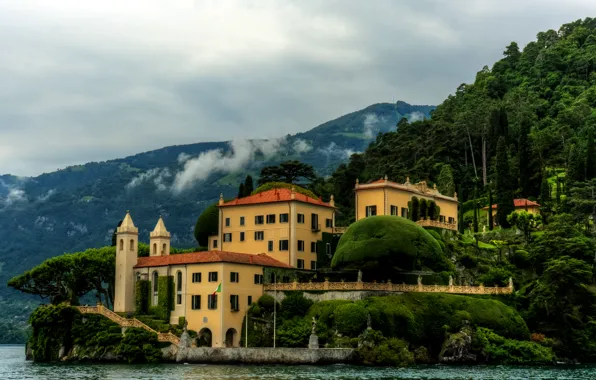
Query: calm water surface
<point x="14" y="366"/>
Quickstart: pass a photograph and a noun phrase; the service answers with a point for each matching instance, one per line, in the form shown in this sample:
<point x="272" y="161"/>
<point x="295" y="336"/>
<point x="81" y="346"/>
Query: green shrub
<point x="324" y="313"/>
<point x="468" y="260"/>
<point x="266" y="302"/>
<point x="139" y="346"/>
<point x="51" y="329"/>
<point x="521" y="259"/>
<point x="294" y="333"/>
<point x="294" y="305"/>
<point x="181" y="321"/>
<point x="381" y="244"/>
<point x="435" y="234"/>
<point x="115" y="330"/>
<point x="281" y="185"/>
<point x="498" y="350"/>
<point x="384" y="351"/>
<point x="142" y="296"/>
<point x="496" y="276"/>
<point x="350" y="319"/>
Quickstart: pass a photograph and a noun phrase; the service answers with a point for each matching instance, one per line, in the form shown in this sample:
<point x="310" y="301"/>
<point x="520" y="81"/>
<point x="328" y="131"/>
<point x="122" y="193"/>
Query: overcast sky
<point x="93" y="80"/>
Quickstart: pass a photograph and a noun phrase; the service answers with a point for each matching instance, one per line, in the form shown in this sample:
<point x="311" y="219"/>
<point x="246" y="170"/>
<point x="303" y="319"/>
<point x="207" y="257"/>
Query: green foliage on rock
<point x="282" y="185"/>
<point x="498" y="350"/>
<point x="380" y="351"/>
<point x="139" y="346"/>
<point x="379" y="244"/>
<point x="51" y="326"/>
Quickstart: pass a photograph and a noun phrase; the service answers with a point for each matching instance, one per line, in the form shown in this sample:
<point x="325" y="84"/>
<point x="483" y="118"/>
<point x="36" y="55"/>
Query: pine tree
<point x="490" y="210"/>
<point x="590" y="159"/>
<point x="503" y="123"/>
<point x="248" y="186"/>
<point x="504" y="185"/>
<point x="524" y="159"/>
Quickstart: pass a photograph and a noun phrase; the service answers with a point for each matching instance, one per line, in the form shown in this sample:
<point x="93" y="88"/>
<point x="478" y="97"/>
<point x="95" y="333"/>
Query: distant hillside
<point x="78" y="207"/>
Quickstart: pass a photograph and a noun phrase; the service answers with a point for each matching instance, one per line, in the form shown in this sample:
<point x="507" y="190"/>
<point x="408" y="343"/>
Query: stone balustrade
<point x="388" y="286"/>
<point x="127" y="322"/>
<point x="437" y="224"/>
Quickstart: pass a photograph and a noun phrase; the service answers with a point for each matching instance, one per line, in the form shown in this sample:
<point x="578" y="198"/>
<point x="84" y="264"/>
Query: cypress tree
<point x="524" y="159"/>
<point x="558" y="193"/>
<point x="248" y="186"/>
<point x="490" y="210"/>
<point x="576" y="168"/>
<point x="241" y="190"/>
<point x="503" y="123"/>
<point x="590" y="159"/>
<point x="504" y="185"/>
<point x="460" y="213"/>
<point x="415" y="209"/>
<point x="544" y="188"/>
<point x="475" y="209"/>
<point x="423" y="207"/>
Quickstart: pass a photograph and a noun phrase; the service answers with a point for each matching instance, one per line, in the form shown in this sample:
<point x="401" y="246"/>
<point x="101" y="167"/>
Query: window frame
<point x="259" y="220"/>
<point x="300" y="218"/>
<point x="284" y="245"/>
<point x="194" y="277"/>
<point x="234" y="277"/>
<point x="260" y="234"/>
<point x="298" y="262"/>
<point x="212" y="302"/>
<point x="213" y="276"/>
<point x="195" y="302"/>
<point x="271" y="218"/>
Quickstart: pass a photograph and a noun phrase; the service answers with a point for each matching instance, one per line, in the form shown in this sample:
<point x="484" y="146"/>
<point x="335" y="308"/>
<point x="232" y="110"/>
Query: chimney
<point x="332" y="201"/>
<point x="293" y="193"/>
<point x="221" y="200"/>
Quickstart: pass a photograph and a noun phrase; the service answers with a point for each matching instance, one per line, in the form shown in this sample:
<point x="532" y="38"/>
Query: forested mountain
<point x="540" y="100"/>
<point x="79" y="206"/>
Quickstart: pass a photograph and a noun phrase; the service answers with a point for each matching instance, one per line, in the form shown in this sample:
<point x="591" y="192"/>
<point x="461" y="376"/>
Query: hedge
<point x="381" y="244"/>
<point x="350" y="319"/>
<point x="142" y="296"/>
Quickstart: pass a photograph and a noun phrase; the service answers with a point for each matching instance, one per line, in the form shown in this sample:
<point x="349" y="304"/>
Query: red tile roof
<point x="519" y="203"/>
<point x="275" y="195"/>
<point x="210" y="257"/>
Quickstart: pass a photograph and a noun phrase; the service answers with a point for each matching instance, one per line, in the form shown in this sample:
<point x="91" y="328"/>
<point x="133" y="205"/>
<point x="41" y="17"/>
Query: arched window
<point x="179" y="288"/>
<point x="121" y="244"/>
<point x="163" y="251"/>
<point x="154" y="248"/>
<point x="132" y="244"/>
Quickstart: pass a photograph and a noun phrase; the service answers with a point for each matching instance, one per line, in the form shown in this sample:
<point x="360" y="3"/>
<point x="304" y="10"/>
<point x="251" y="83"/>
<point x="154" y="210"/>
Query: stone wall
<point x="262" y="355"/>
<point x="350" y="295"/>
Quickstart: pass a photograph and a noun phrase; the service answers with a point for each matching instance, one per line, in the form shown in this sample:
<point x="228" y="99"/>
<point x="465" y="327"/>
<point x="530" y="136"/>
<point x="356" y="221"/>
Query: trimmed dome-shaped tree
<point x="381" y="245"/>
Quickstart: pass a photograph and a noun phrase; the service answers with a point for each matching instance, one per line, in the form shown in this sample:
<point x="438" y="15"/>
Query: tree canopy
<point x="289" y="172"/>
<point x="207" y="225"/>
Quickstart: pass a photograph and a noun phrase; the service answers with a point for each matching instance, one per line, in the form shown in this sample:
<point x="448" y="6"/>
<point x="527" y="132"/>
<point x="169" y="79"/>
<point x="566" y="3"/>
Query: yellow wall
<point x="291" y="230"/>
<point x="126" y="258"/>
<point x="204" y="317"/>
<point x="386" y="197"/>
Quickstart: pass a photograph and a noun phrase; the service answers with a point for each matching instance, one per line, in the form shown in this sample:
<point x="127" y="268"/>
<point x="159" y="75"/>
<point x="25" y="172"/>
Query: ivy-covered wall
<point x="142" y="296"/>
<point x="165" y="297"/>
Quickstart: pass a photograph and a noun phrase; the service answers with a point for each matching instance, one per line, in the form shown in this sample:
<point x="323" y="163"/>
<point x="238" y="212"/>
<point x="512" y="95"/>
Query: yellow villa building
<point x="282" y="223"/>
<point x="384" y="197"/>
<point x="212" y="290"/>
<point x="520" y="204"/>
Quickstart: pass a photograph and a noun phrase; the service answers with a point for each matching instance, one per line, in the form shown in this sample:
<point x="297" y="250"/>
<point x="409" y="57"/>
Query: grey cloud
<point x="85" y="81"/>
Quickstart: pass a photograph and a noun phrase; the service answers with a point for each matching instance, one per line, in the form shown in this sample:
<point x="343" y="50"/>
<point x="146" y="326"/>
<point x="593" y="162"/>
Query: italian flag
<point x="218" y="289"/>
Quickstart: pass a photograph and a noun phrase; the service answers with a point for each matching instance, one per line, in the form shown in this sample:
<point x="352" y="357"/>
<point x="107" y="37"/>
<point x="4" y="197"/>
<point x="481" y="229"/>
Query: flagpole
<point x="223" y="344"/>
<point x="274" y="306"/>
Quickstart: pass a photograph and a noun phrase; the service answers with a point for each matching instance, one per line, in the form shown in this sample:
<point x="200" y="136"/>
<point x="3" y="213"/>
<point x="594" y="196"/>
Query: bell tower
<point x="159" y="240"/>
<point x="127" y="245"/>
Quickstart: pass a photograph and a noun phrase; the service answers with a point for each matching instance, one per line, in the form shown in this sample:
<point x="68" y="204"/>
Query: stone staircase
<point x="127" y="322"/>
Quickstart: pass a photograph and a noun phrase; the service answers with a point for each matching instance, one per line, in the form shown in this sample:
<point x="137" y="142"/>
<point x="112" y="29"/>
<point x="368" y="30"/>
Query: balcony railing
<point x="390" y="287"/>
<point x="315" y="227"/>
<point x="339" y="230"/>
<point x="437" y="224"/>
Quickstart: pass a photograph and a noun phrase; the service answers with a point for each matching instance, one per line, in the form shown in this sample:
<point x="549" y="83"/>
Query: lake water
<point x="14" y="366"/>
